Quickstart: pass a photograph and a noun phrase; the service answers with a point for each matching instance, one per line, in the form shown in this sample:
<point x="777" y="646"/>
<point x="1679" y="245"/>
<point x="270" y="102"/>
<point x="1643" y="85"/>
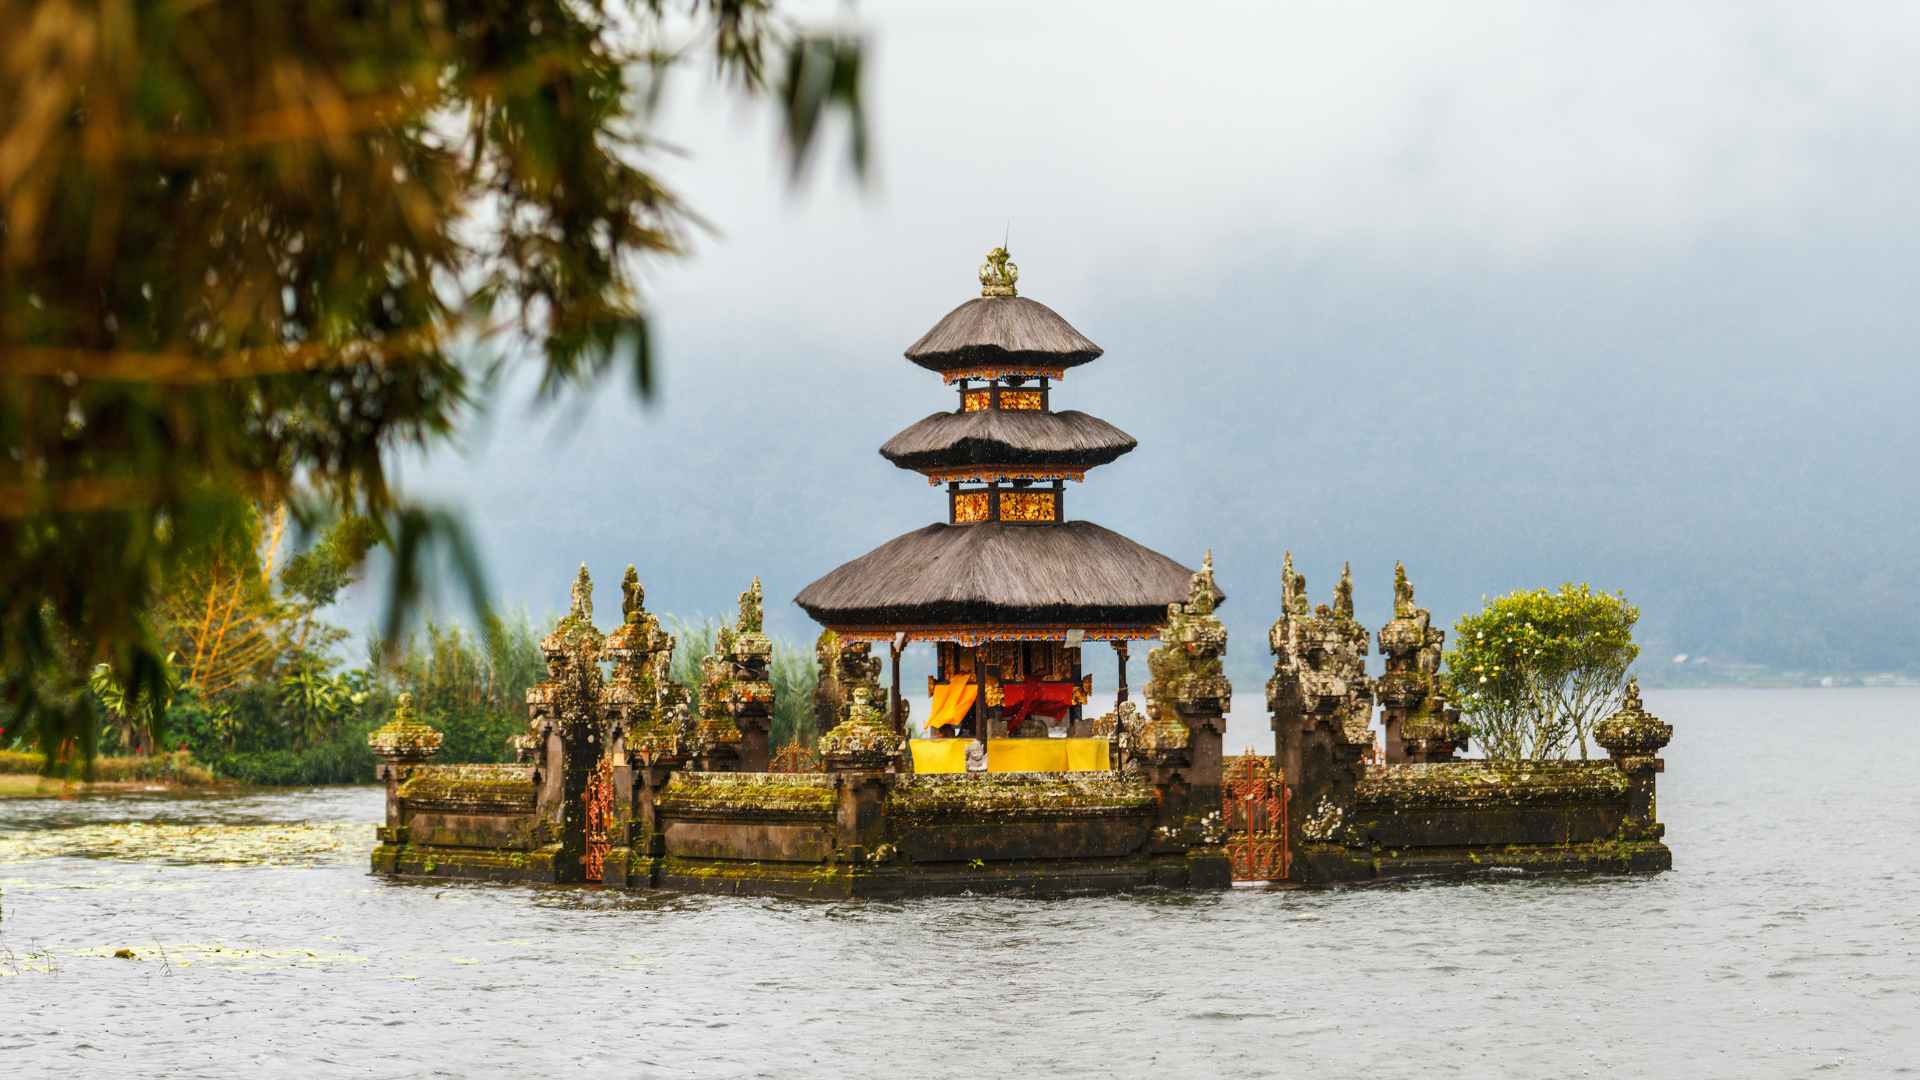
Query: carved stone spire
<point x="998" y="275"/>
<point x="1200" y="588"/>
<point x="1343" y="592"/>
<point x="582" y="596"/>
<point x="752" y="609"/>
<point x="633" y="597"/>
<point x="1420" y="726"/>
<point x="1293" y="588"/>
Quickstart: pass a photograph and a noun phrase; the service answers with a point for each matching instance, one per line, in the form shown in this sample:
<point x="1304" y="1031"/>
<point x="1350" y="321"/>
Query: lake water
<point x="1785" y="943"/>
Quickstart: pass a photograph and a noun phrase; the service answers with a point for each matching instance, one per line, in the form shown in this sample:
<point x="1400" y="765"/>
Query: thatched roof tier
<point x="1073" y="574"/>
<point x="1002" y="331"/>
<point x="1065" y="440"/>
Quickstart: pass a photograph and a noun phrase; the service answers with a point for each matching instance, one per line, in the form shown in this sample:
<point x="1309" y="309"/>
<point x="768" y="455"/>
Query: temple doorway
<point x="1253" y="804"/>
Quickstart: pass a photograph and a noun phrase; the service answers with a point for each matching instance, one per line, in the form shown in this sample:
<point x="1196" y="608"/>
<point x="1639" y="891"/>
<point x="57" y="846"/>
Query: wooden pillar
<point x="1074" y="713"/>
<point x="1120" y="683"/>
<point x="893" y="703"/>
<point x="980" y="699"/>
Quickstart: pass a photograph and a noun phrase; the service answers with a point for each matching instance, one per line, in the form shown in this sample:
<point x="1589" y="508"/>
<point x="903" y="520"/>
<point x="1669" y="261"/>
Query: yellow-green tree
<point x="1536" y="669"/>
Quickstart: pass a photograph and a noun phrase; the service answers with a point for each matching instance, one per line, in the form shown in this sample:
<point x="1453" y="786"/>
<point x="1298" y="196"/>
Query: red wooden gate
<point x="1254" y="805"/>
<point x="597" y="804"/>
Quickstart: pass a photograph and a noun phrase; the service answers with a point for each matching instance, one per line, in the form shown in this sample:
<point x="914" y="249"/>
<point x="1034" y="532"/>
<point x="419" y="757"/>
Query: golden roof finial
<point x="998" y="275"/>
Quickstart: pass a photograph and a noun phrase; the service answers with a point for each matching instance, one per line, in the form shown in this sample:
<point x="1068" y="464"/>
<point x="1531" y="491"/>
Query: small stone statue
<point x="998" y="275"/>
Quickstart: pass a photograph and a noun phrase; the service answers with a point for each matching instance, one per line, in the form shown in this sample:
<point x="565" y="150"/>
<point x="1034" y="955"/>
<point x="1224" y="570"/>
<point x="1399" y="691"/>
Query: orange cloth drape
<point x="952" y="701"/>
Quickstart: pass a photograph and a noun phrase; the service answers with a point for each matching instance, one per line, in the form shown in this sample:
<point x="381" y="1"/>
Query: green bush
<point x="1536" y="669"/>
<point x="343" y="758"/>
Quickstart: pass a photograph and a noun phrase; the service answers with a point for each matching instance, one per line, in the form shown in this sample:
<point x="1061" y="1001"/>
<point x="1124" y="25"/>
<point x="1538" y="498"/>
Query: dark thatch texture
<point x="992" y="574"/>
<point x="1001" y="329"/>
<point x="1007" y="437"/>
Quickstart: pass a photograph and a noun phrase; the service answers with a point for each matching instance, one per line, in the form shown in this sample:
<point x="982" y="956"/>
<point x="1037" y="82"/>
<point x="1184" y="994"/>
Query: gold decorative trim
<point x="1001" y="371"/>
<point x="981" y="635"/>
<point x="987" y="474"/>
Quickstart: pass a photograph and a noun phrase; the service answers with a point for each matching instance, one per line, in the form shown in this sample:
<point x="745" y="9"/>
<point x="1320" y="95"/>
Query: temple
<point x="1008" y="589"/>
<point x="627" y="779"/>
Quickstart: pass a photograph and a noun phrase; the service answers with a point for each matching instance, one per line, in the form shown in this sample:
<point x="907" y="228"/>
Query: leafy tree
<point x="313" y="703"/>
<point x="137" y="720"/>
<point x="1535" y="670"/>
<point x="245" y="246"/>
<point x="218" y="612"/>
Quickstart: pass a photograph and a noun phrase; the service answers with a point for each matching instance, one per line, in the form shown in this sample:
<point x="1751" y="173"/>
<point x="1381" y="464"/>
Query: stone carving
<point x="1321" y="701"/>
<point x="568" y="699"/>
<point x="1320" y="668"/>
<point x="640" y="696"/>
<point x="583" y="596"/>
<point x="845" y="666"/>
<point x="750" y="689"/>
<point x="1633" y="738"/>
<point x="633" y="598"/>
<point x="1420" y="727"/>
<point x="1632" y="731"/>
<point x="998" y="275"/>
<point x="567" y="728"/>
<point x="404" y="738"/>
<point x="1187" y="701"/>
<point x="864" y="740"/>
<point x="1186" y="669"/>
<point x="715" y="732"/>
<point x="736" y="692"/>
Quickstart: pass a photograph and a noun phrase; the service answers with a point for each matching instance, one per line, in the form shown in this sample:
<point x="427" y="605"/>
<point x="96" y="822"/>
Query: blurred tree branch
<point x="249" y="249"/>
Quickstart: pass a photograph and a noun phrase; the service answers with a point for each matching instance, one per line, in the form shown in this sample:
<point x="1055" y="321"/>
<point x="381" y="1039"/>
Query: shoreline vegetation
<point x="25" y="775"/>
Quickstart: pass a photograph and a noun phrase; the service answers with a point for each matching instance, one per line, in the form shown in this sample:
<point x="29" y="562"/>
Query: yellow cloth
<point x="1088" y="755"/>
<point x="1013" y="755"/>
<point x="1048" y="755"/>
<point x="952" y="701"/>
<point x="1026" y="755"/>
<point x="940" y="755"/>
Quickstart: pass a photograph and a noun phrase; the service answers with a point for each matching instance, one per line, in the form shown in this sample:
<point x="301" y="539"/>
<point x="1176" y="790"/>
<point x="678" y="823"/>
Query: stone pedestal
<point x="402" y="743"/>
<point x="1633" y="738"/>
<point x="863" y="755"/>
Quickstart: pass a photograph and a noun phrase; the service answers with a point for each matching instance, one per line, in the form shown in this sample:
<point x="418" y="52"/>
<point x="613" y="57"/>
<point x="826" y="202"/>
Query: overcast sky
<point x="1518" y="293"/>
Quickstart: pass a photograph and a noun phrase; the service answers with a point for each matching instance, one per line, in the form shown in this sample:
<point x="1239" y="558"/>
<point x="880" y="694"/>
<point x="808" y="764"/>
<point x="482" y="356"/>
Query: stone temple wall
<point x="1420" y="811"/>
<point x="624" y="780"/>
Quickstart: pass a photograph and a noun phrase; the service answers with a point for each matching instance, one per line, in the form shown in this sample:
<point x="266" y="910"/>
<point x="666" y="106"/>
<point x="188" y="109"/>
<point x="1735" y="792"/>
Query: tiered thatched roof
<point x="1069" y="439"/>
<point x="1072" y="573"/>
<point x="1001" y="330"/>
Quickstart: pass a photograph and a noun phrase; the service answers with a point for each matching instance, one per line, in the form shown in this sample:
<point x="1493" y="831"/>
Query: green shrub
<point x="1536" y="669"/>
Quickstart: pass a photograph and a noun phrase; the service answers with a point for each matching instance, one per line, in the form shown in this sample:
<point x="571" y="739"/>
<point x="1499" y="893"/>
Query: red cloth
<point x="1021" y="699"/>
